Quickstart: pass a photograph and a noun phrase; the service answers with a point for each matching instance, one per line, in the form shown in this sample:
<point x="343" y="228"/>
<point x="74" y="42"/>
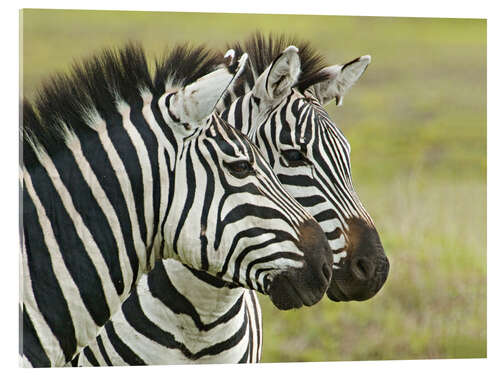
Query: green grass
<point x="416" y="122"/>
<point x="434" y="302"/>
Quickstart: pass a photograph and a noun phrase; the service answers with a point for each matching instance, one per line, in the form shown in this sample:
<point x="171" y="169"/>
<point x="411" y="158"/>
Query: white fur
<point x="278" y="79"/>
<point x="341" y="79"/>
<point x="197" y="101"/>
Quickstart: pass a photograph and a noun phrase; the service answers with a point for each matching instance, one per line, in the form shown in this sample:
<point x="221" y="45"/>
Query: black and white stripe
<point x="179" y="315"/>
<point x="120" y="170"/>
<point x="294" y="122"/>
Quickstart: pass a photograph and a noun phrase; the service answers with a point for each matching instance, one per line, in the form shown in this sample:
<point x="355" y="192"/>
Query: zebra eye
<point x="294" y="158"/>
<point x="240" y="168"/>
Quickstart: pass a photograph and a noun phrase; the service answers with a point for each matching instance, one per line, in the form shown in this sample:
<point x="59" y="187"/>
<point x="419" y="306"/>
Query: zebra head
<point x="232" y="207"/>
<point x="283" y="112"/>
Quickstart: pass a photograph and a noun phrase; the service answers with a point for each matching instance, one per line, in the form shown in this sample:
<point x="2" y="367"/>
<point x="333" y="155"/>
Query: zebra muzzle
<point x="365" y="269"/>
<point x="305" y="286"/>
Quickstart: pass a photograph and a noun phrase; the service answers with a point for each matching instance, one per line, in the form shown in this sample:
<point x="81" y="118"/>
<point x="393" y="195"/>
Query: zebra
<point x="210" y="332"/>
<point x="309" y="153"/>
<point x="120" y="170"/>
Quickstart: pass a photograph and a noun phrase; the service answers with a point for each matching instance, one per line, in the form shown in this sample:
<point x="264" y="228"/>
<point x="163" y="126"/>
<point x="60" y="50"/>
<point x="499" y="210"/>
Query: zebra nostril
<point x="362" y="268"/>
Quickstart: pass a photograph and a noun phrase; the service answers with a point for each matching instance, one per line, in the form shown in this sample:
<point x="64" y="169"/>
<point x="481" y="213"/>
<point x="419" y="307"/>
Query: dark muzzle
<point x="365" y="269"/>
<point x="306" y="285"/>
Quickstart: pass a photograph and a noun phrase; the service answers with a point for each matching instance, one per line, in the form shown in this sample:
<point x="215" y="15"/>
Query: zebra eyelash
<point x="240" y="168"/>
<point x="295" y="158"/>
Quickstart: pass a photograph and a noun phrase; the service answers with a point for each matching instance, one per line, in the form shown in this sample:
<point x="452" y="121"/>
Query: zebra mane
<point x="93" y="86"/>
<point x="262" y="51"/>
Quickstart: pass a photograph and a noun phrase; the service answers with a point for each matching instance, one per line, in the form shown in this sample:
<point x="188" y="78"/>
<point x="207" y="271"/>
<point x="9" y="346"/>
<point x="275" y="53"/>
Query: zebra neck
<point x="204" y="304"/>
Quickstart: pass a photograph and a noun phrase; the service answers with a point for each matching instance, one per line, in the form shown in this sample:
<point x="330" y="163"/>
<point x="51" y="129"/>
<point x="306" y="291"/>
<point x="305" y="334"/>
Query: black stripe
<point x="248" y="117"/>
<point x="238" y="122"/>
<point x="226" y="344"/>
<point x="228" y="315"/>
<point x="190" y="187"/>
<point x="325" y="216"/>
<point x="209" y="279"/>
<point x="74" y="361"/>
<point x="333" y="234"/>
<point x="171" y="188"/>
<point x="121" y="348"/>
<point x="285" y="136"/>
<point x="227" y="100"/>
<point x="151" y="143"/>
<point x="128" y="155"/>
<point x="102" y="349"/>
<point x="224" y="115"/>
<point x="256" y="100"/>
<point x="273" y="130"/>
<point x="162" y="288"/>
<point x="310" y="201"/>
<point x="99" y="162"/>
<point x="73" y="252"/>
<point x="90" y="356"/>
<point x="258" y="321"/>
<point x="267" y="151"/>
<point x="48" y="294"/>
<point x="307" y="122"/>
<point x="244" y="359"/>
<point x="296" y="180"/>
<point x="271" y="70"/>
<point x="92" y="215"/>
<point x="250" y="336"/>
<point x="209" y="196"/>
<point x="155" y="107"/>
<point x="167" y="105"/>
<point x="31" y="346"/>
<point x="133" y="312"/>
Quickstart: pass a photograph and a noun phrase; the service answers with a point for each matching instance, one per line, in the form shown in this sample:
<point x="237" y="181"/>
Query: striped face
<point x="311" y="157"/>
<point x="249" y="230"/>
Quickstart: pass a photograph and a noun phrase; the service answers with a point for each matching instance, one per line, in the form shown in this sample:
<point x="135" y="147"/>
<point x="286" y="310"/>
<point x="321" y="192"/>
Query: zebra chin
<point x="365" y="269"/>
<point x="305" y="286"/>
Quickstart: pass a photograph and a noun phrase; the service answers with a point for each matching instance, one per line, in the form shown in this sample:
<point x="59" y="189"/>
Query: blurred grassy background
<point x="417" y="126"/>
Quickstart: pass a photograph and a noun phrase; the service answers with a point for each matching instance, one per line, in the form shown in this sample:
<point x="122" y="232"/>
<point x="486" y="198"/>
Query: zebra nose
<point x="362" y="268"/>
<point x="296" y="287"/>
<point x="365" y="269"/>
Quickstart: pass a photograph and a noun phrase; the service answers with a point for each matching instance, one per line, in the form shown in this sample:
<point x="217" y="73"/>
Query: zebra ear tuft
<point x="280" y="76"/>
<point x="197" y="100"/>
<point x="340" y="78"/>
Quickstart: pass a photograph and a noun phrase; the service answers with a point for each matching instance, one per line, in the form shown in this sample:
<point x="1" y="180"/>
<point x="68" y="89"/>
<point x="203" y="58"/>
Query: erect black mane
<point x="95" y="84"/>
<point x="262" y="51"/>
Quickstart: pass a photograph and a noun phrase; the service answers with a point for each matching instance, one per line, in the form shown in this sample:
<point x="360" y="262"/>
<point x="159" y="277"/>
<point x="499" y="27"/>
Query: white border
<point x="422" y="8"/>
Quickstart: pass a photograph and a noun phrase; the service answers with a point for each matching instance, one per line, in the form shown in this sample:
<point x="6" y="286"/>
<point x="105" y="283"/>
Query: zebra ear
<point x="340" y="78"/>
<point x="280" y="76"/>
<point x="197" y="100"/>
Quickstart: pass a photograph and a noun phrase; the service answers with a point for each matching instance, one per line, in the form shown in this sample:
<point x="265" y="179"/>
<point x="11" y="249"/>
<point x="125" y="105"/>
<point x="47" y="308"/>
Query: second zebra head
<point x="280" y="106"/>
